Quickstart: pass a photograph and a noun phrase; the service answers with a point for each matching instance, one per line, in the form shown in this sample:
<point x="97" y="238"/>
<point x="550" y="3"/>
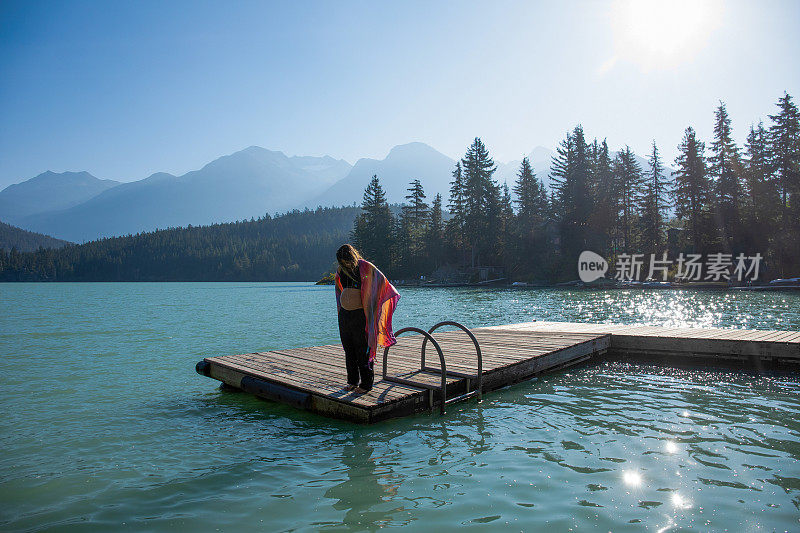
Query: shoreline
<point x="582" y="286"/>
<point x="566" y="285"/>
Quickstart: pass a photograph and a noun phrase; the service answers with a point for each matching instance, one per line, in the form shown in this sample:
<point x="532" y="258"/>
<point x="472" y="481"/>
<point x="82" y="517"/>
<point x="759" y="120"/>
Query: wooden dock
<point x="745" y="348"/>
<point x="312" y="378"/>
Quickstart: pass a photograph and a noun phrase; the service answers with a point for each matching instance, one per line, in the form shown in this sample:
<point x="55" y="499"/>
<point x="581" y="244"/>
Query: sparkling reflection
<point x="671" y="447"/>
<point x="680" y="502"/>
<point x="632" y="478"/>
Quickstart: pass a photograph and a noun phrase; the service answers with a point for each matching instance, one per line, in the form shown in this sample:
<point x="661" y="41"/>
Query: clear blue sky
<point x="125" y="89"/>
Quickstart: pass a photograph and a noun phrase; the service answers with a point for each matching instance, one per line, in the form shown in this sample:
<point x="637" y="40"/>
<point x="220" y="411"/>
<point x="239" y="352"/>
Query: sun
<point x="662" y="34"/>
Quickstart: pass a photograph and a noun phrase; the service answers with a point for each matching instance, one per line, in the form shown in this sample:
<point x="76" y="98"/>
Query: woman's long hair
<point x="348" y="257"/>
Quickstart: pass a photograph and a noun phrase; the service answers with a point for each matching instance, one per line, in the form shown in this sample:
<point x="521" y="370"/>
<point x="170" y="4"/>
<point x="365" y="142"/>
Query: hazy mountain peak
<point x="260" y="151"/>
<point x="540" y="153"/>
<point x="325" y="167"/>
<point x="256" y="152"/>
<point x="68" y="174"/>
<point x="49" y="178"/>
<point x="322" y="158"/>
<point x="403" y="163"/>
<point x="50" y="191"/>
<point x="158" y="176"/>
<point x="413" y="150"/>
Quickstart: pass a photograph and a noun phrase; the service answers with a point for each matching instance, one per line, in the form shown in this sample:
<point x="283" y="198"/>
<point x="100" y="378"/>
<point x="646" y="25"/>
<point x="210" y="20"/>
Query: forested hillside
<point x="297" y="246"/>
<point x="727" y="201"/>
<point x="24" y="240"/>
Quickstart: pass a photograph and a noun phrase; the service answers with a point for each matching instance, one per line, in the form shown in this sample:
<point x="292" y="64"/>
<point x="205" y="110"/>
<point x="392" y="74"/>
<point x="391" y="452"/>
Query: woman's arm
<point x="337" y="283"/>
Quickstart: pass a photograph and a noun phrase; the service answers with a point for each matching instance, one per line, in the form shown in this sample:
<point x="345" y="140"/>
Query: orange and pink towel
<point x="379" y="299"/>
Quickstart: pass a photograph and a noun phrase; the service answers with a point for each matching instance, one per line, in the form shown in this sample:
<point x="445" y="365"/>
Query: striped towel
<point x="379" y="299"/>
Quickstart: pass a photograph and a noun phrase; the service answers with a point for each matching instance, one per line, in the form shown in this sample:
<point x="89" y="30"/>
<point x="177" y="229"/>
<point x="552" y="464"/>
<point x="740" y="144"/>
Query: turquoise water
<point x="106" y="425"/>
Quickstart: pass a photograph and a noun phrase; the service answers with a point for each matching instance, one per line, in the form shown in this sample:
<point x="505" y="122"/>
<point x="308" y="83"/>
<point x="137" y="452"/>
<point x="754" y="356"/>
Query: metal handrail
<point x="479" y="377"/>
<point x="428" y="337"/>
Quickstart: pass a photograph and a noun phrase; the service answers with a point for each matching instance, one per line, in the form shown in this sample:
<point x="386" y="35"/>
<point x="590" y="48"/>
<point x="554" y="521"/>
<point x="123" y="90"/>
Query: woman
<point x="365" y="301"/>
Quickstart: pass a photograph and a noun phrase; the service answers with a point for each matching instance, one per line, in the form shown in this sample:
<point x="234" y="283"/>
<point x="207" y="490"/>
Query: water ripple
<point x="106" y="425"/>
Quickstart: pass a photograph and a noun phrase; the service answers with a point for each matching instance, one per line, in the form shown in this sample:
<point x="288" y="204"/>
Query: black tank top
<point x="348" y="282"/>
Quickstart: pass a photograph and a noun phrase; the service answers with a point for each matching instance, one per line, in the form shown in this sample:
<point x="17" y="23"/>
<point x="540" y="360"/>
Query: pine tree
<point x="571" y="181"/>
<point x="531" y="196"/>
<point x="532" y="213"/>
<point x="763" y="198"/>
<point x="401" y="256"/>
<point x="659" y="182"/>
<point x="457" y="208"/>
<point x="606" y="202"/>
<point x="507" y="243"/>
<point x="506" y="207"/>
<point x="417" y="208"/>
<point x="481" y="202"/>
<point x="411" y="229"/>
<point x="434" y="235"/>
<point x="655" y="204"/>
<point x="630" y="183"/>
<point x="692" y="188"/>
<point x="374" y="226"/>
<point x="724" y="168"/>
<point x="785" y="156"/>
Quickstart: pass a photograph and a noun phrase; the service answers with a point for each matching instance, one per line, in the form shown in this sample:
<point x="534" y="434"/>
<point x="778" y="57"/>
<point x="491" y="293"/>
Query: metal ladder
<point x="478" y="378"/>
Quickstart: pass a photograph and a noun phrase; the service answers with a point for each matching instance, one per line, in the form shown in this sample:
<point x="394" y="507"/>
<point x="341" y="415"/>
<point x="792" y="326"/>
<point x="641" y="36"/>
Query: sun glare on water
<point x="632" y="478"/>
<point x="661" y="34"/>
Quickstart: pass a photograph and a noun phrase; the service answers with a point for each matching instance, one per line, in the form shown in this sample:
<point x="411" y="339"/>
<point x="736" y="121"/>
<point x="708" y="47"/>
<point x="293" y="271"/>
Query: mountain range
<point x="243" y="185"/>
<point x="250" y="183"/>
<point x="50" y="191"/>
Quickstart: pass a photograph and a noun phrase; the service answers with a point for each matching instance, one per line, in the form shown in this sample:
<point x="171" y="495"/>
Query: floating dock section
<point x="409" y="377"/>
<point x="744" y="348"/>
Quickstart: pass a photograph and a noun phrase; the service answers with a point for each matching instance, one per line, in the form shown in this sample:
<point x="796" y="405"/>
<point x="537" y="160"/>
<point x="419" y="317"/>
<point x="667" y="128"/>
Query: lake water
<point x="106" y="425"/>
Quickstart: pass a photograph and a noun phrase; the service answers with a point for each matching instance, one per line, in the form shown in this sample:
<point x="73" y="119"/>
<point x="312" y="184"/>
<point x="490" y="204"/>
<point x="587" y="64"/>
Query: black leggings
<point x="352" y="331"/>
